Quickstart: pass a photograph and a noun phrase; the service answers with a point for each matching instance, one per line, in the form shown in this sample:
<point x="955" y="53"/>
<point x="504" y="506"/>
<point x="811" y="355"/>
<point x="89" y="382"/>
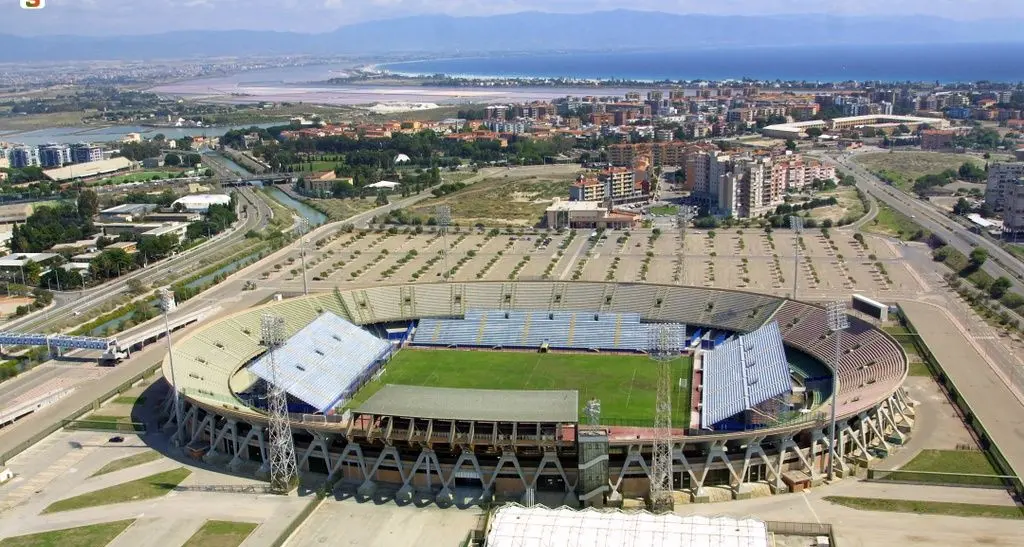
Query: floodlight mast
<point x="797" y="224"/>
<point x="283" y="472"/>
<point x="167" y="304"/>
<point x="664" y="345"/>
<point x="443" y="216"/>
<point x="686" y="214"/>
<point x="837" y="323"/>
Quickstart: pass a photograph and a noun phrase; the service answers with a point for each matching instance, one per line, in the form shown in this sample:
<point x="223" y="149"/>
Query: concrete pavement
<point x="994" y="402"/>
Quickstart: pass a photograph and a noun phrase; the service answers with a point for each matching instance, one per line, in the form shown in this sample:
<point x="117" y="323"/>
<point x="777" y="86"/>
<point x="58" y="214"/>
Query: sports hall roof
<point x="517" y="526"/>
<point x="321" y="362"/>
<point x="481" y="405"/>
<point x="743" y="373"/>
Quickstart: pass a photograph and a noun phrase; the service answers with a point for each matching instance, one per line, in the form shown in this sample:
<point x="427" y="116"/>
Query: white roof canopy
<point x="538" y="526"/>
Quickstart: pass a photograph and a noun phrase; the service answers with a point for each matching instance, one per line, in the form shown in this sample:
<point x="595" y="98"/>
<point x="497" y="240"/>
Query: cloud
<point x="106" y="17"/>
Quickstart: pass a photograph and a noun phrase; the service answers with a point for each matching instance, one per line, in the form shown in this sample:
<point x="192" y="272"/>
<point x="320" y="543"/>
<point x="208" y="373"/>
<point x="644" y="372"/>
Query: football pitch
<point x="625" y="384"/>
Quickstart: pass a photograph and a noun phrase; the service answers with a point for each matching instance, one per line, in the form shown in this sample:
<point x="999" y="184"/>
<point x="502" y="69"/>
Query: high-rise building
<point x="1002" y="178"/>
<point x="1013" y="208"/>
<point x="54" y="155"/>
<point x="84" y="152"/>
<point x="24" y="156"/>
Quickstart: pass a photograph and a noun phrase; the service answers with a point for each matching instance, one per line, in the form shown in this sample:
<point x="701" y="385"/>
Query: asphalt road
<point x="1001" y="262"/>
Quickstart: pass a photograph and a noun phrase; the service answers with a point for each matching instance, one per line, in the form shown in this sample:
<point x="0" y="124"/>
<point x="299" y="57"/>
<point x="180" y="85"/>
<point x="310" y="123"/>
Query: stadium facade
<point x="455" y="443"/>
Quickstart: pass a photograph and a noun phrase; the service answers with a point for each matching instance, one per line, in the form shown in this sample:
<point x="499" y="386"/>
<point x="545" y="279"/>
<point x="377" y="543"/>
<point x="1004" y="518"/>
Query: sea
<point x="946" y="63"/>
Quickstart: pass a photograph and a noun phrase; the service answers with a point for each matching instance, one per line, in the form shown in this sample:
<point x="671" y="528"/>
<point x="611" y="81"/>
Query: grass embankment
<point x="341" y="209"/>
<point x="625" y="384"/>
<point x="929" y="507"/>
<point x="221" y="533"/>
<point x="665" y="210"/>
<point x="901" y="169"/>
<point x="514" y="197"/>
<point x="145" y="488"/>
<point x="129" y="461"/>
<point x="94" y="535"/>
<point x="963" y="463"/>
<point x="283" y="217"/>
<point x="890" y="222"/>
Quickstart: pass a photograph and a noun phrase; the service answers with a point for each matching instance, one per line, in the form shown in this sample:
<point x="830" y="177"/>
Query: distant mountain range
<point x="521" y="32"/>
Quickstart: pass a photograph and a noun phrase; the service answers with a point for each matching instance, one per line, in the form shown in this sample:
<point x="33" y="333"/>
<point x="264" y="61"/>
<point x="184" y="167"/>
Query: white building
<point x="1002" y="177"/>
<point x="200" y="203"/>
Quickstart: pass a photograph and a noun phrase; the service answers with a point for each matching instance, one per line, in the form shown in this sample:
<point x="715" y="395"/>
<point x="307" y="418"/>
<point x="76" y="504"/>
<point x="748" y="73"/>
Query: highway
<point x="1001" y="263"/>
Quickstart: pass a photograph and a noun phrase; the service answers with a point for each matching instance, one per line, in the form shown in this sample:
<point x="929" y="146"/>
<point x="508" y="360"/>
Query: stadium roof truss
<point x="743" y="373"/>
<point x="325" y="361"/>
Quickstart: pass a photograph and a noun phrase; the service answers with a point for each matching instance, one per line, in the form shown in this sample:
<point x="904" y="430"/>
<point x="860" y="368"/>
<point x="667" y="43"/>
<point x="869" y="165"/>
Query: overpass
<point x="273" y="178"/>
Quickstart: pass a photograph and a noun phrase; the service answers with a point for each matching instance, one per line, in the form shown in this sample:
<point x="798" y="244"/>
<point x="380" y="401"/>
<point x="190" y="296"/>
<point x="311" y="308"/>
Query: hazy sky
<point x="149" y="16"/>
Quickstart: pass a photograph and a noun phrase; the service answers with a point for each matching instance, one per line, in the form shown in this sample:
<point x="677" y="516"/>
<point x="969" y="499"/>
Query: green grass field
<point x="94" y="535"/>
<point x="929" y="507"/>
<point x="903" y="168"/>
<point x="893" y="223"/>
<point x="129" y="461"/>
<point x="221" y="533"/>
<point x="145" y="488"/>
<point x="625" y="384"/>
<point x="665" y="210"/>
<point x="961" y="462"/>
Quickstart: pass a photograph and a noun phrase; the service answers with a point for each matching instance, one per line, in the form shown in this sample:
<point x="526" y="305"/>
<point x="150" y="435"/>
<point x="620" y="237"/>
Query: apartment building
<point x="25" y="156"/>
<point x="657" y="154"/>
<point x="83" y="152"/>
<point x="617" y="185"/>
<point x="54" y="155"/>
<point x="747" y="191"/>
<point x="937" y="139"/>
<point x="1003" y="178"/>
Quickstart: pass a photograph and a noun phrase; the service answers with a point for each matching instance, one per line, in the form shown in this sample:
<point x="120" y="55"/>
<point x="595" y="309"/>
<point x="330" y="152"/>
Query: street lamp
<point x="303" y="228"/>
<point x="837" y="323"/>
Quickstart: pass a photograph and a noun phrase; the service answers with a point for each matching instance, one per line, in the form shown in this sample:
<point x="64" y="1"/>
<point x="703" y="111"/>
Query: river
<point x="314" y="217"/>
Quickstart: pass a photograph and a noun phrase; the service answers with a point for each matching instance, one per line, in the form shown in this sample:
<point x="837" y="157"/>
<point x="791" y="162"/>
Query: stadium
<point x="489" y="390"/>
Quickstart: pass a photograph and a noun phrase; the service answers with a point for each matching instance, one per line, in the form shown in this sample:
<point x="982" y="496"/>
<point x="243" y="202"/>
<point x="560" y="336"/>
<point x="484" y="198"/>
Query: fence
<point x="801" y="529"/>
<point x="89" y="407"/>
<point x="972" y="421"/>
<point x="939" y="478"/>
<point x="103" y="425"/>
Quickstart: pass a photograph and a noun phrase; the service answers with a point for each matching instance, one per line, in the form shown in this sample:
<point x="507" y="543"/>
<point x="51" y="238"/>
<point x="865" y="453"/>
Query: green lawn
<point x="221" y="533"/>
<point x="893" y="223"/>
<point x="94" y="535"/>
<point x="960" y="462"/>
<point x="625" y="384"/>
<point x="130" y="399"/>
<point x="929" y="507"/>
<point x="918" y="369"/>
<point x="138" y="176"/>
<point x="129" y="461"/>
<point x="149" y="487"/>
<point x="1017" y="250"/>
<point x="665" y="210"/>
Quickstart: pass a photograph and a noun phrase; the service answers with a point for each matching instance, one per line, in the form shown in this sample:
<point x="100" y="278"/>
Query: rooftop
<point x="575" y="206"/>
<point x="485" y="405"/>
<point x="20" y="259"/>
<point x="90" y="169"/>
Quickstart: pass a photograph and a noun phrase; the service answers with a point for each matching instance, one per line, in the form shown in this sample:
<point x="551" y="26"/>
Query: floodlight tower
<point x="303" y="228"/>
<point x="167" y="305"/>
<point x="837" y="323"/>
<point x="283" y="472"/>
<point x="664" y="345"/>
<point x="443" y="215"/>
<point x="797" y="224"/>
<point x="686" y="214"/>
<point x="593" y="412"/>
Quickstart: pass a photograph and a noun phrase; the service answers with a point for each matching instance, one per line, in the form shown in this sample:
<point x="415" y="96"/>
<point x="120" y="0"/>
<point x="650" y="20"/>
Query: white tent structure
<point x="517" y="526"/>
<point x="384" y="184"/>
<point x="402" y="158"/>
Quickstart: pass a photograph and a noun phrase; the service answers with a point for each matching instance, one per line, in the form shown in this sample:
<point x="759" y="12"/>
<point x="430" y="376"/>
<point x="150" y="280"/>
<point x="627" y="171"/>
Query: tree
<point x="814" y="132"/>
<point x="172" y="160"/>
<point x="382" y="198"/>
<point x="88" y="204"/>
<point x="962" y="207"/>
<point x="31" y="271"/>
<point x="978" y="257"/>
<point x="136" y="286"/>
<point x="999" y="287"/>
<point x="971" y="172"/>
<point x="790" y="145"/>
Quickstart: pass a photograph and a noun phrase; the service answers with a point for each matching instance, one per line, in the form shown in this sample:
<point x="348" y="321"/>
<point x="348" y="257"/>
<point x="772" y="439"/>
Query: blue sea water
<point x="915" y="62"/>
